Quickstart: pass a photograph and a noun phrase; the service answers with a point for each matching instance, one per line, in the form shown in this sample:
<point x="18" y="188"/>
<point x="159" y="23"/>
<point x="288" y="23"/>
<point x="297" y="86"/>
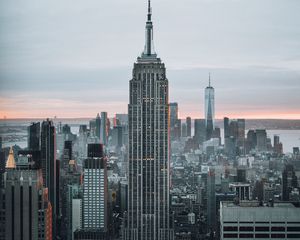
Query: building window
<point x="246" y="229"/>
<point x="293" y="236"/>
<point x="278" y="229"/>
<point x="230" y="235"/>
<point x="262" y="235"/>
<point x="262" y="229"/>
<point x="229" y="229"/>
<point x="293" y="229"/>
<point x="246" y="235"/>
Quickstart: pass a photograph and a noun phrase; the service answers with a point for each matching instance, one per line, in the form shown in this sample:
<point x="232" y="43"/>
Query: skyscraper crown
<point x="148" y="53"/>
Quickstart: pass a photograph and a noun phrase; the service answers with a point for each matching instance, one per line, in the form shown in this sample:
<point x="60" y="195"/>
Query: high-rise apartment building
<point x="95" y="193"/>
<point x="148" y="176"/>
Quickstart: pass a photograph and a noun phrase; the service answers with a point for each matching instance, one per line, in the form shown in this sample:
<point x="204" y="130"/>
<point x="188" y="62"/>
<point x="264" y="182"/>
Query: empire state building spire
<point x="148" y="209"/>
<point x="149" y="46"/>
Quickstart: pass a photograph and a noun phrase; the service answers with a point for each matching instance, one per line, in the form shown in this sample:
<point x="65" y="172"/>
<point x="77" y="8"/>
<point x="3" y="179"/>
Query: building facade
<point x="148" y="173"/>
<point x="24" y="202"/>
<point x="103" y="128"/>
<point x="49" y="169"/>
<point x="249" y="220"/>
<point x="95" y="194"/>
<point x="33" y="142"/>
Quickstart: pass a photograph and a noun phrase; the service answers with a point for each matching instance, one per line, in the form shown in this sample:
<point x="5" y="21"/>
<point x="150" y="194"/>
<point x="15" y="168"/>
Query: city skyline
<point x="51" y="57"/>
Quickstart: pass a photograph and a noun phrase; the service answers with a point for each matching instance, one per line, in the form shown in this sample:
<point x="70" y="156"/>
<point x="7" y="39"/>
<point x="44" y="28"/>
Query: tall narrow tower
<point x="148" y="173"/>
<point x="209" y="110"/>
<point x="49" y="170"/>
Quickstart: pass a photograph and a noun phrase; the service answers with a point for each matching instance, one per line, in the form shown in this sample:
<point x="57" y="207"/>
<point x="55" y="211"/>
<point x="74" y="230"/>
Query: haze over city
<point x="73" y="59"/>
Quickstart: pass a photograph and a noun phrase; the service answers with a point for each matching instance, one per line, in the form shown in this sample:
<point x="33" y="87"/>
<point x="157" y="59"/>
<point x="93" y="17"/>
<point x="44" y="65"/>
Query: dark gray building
<point x="33" y="139"/>
<point x="200" y="131"/>
<point x="149" y="176"/>
<point x="48" y="157"/>
<point x="175" y="123"/>
<point x="24" y="202"/>
<point x="98" y="126"/>
<point x="104" y="128"/>
<point x="261" y="140"/>
<point x="188" y="126"/>
<point x="289" y="181"/>
<point x="211" y="200"/>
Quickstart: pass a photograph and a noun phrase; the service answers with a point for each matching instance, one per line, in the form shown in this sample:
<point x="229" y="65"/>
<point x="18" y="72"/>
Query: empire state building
<point x="148" y="174"/>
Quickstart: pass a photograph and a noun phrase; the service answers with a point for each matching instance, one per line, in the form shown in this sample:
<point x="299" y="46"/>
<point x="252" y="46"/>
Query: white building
<point x="76" y="214"/>
<point x="95" y="194"/>
<point x="248" y="220"/>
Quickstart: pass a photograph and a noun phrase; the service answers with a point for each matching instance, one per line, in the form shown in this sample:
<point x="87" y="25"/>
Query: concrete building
<point x="76" y="215"/>
<point x="24" y="205"/>
<point x="249" y="220"/>
<point x="242" y="190"/>
<point x="95" y="193"/>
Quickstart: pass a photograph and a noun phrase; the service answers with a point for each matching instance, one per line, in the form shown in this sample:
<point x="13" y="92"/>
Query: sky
<point x="69" y="58"/>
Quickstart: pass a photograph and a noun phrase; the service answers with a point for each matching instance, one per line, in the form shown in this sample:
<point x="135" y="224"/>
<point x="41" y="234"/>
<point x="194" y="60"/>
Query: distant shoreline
<point x="268" y="124"/>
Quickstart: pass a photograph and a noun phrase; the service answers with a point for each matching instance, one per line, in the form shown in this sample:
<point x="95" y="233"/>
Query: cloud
<point x="81" y="54"/>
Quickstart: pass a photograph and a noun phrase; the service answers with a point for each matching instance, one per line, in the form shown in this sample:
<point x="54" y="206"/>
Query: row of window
<point x="261" y="229"/>
<point x="260" y="235"/>
<point x="257" y="222"/>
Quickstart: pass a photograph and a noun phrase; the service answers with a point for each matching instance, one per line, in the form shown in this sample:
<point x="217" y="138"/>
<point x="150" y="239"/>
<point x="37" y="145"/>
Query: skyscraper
<point x="211" y="200"/>
<point x="34" y="136"/>
<point x="189" y="126"/>
<point x="95" y="193"/>
<point x="209" y="110"/>
<point x="175" y="123"/>
<point x="24" y="202"/>
<point x="200" y="133"/>
<point x="261" y="140"/>
<point x="173" y="113"/>
<point x="289" y="181"/>
<point x="48" y="156"/>
<point x="148" y="178"/>
<point x="103" y="128"/>
<point x="98" y="126"/>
